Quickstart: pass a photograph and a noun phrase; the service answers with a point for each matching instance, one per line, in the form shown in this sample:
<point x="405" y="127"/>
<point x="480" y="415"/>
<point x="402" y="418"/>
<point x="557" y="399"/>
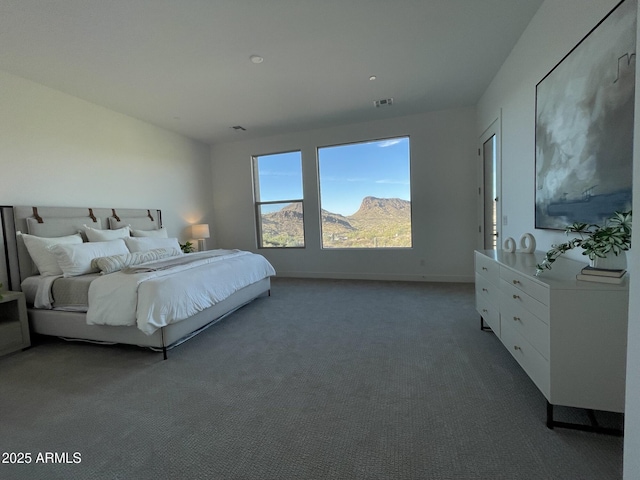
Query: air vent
<point x="239" y="127"/>
<point x="383" y="102"/>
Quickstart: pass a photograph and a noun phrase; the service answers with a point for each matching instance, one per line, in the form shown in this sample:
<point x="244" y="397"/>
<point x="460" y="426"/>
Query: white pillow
<point x="158" y="233"/>
<point x="98" y="235"/>
<point x="116" y="263"/>
<point x="44" y="259"/>
<point x="75" y="260"/>
<point x="142" y="244"/>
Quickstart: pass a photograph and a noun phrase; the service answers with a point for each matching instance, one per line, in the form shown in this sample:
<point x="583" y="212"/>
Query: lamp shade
<point x="200" y="231"/>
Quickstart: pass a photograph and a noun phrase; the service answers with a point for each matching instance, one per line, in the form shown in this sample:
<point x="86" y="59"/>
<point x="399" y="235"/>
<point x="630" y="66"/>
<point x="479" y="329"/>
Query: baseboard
<point x="379" y="276"/>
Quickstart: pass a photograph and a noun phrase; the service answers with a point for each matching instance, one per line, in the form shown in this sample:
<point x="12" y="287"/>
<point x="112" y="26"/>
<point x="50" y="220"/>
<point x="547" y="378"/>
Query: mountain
<point x="283" y="228"/>
<point x="377" y="208"/>
<point x="335" y="219"/>
<point x="379" y="222"/>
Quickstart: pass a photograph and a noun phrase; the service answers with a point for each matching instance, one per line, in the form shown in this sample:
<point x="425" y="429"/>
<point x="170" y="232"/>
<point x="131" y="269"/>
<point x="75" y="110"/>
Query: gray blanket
<point x="176" y="261"/>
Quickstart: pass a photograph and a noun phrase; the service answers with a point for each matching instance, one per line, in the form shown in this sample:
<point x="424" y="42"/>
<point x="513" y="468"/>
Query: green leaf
<point x="596" y="240"/>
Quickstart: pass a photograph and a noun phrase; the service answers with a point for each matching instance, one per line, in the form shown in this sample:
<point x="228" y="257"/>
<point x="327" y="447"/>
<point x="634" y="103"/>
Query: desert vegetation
<point x="378" y="223"/>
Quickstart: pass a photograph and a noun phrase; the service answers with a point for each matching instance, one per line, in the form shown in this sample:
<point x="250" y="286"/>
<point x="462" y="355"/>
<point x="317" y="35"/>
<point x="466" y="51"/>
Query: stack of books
<point x="603" y="275"/>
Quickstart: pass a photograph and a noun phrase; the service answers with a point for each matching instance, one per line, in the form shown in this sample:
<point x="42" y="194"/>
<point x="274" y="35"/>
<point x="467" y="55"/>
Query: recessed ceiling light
<point x="256" y="59"/>
<point x="372" y="77"/>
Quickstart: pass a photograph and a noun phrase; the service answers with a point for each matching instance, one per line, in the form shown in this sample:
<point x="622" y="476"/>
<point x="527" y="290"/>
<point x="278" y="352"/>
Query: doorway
<point x="489" y="190"/>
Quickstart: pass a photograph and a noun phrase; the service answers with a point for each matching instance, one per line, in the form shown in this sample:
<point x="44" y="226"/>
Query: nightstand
<point x="14" y="325"/>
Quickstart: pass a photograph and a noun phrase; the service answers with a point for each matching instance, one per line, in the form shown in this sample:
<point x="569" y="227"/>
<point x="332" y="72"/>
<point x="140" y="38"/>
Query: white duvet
<point x="154" y="299"/>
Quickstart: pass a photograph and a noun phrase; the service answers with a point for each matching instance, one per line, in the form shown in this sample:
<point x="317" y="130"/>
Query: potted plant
<point x="597" y="241"/>
<point x="187" y="247"/>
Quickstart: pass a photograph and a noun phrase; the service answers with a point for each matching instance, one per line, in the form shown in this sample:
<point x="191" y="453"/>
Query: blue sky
<point x="347" y="174"/>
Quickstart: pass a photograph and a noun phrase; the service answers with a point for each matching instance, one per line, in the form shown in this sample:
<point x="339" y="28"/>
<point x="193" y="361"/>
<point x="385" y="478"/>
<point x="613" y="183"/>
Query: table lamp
<point x="200" y="232"/>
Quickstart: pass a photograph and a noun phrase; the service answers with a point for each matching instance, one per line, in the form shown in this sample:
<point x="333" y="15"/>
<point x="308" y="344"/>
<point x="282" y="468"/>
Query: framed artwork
<point x="584" y="126"/>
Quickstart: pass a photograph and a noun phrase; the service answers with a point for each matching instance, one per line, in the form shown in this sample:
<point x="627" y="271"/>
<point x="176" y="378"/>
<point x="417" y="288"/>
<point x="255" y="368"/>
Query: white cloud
<point x="327" y="178"/>
<point x="275" y="173"/>
<point x="388" y="143"/>
<point x="393" y="182"/>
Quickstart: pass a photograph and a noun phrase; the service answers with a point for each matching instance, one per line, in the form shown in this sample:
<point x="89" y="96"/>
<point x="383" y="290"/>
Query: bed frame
<point x="59" y="221"/>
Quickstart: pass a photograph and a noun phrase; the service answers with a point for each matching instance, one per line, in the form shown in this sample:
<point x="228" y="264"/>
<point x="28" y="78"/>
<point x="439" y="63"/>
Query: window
<point x="277" y="182"/>
<point x="365" y="194"/>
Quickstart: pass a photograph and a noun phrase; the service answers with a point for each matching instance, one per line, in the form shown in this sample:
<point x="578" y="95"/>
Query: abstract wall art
<point x="584" y="126"/>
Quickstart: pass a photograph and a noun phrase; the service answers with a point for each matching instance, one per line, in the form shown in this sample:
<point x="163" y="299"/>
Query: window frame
<point x="258" y="203"/>
<point x="376" y="249"/>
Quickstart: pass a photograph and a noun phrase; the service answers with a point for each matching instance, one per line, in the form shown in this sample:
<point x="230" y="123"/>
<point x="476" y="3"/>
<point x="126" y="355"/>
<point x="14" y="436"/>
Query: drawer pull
<point x="485" y="290"/>
<point x="516" y="319"/>
<point x="485" y="269"/>
<point x="484" y="310"/>
<point x="516" y="347"/>
<point x="516" y="282"/>
<point x="516" y="296"/>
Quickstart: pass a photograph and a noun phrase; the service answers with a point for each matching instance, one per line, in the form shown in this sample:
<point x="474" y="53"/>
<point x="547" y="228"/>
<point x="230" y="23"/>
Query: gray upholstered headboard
<point x="60" y="221"/>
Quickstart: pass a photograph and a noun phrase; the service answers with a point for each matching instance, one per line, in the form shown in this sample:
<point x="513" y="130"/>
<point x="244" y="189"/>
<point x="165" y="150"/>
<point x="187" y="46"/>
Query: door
<point x="489" y="153"/>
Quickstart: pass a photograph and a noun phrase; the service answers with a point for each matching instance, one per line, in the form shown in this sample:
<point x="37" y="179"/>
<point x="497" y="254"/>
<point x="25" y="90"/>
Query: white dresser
<point x="569" y="336"/>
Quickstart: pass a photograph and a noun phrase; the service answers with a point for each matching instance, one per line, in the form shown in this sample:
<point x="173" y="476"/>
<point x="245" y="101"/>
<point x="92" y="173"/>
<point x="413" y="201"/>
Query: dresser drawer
<point x="528" y="357"/>
<point x="514" y="297"/>
<point x="525" y="284"/>
<point x="488" y="268"/>
<point x="486" y="290"/>
<point x="534" y="330"/>
<point x="489" y="313"/>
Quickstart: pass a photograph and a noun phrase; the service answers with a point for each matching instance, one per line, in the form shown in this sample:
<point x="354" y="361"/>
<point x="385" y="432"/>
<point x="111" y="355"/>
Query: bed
<point x="114" y="276"/>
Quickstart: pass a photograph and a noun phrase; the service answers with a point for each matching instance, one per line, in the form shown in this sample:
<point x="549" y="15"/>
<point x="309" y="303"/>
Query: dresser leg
<point x="549" y="415"/>
<point x="483" y="326"/>
<point x="594" y="427"/>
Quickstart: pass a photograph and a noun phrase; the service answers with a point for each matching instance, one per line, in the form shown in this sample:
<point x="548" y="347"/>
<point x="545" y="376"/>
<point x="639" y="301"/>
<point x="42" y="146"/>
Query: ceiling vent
<point x="383" y="102"/>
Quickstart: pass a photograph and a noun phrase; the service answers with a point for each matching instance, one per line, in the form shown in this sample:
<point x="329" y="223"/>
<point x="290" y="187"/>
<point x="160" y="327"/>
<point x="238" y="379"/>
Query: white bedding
<point x="154" y="299"/>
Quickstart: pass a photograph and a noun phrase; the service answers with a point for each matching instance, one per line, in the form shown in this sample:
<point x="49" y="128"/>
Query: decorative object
<point x="610" y="262"/>
<point x="603" y="272"/>
<point x="612" y="238"/>
<point x="187" y="247"/>
<point x="592" y="274"/>
<point x="584" y="126"/>
<point x="200" y="232"/>
<point x="509" y="245"/>
<point x="594" y="278"/>
<point x="527" y="243"/>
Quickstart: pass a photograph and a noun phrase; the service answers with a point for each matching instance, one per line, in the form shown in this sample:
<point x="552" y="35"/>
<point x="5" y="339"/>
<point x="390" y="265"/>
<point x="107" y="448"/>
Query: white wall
<point x="443" y="191"/>
<point x="557" y="27"/>
<point x="632" y="417"/>
<point x="58" y="150"/>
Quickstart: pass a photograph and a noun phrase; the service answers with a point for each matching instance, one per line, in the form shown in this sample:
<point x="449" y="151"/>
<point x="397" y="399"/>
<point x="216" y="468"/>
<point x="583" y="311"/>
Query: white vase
<point x="611" y="261"/>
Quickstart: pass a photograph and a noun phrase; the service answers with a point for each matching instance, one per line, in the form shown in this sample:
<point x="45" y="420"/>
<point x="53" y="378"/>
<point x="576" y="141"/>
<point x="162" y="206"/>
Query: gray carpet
<point x="323" y="380"/>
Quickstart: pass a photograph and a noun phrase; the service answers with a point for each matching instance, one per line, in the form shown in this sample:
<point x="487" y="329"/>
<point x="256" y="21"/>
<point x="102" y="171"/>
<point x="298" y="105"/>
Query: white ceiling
<point x="184" y="64"/>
